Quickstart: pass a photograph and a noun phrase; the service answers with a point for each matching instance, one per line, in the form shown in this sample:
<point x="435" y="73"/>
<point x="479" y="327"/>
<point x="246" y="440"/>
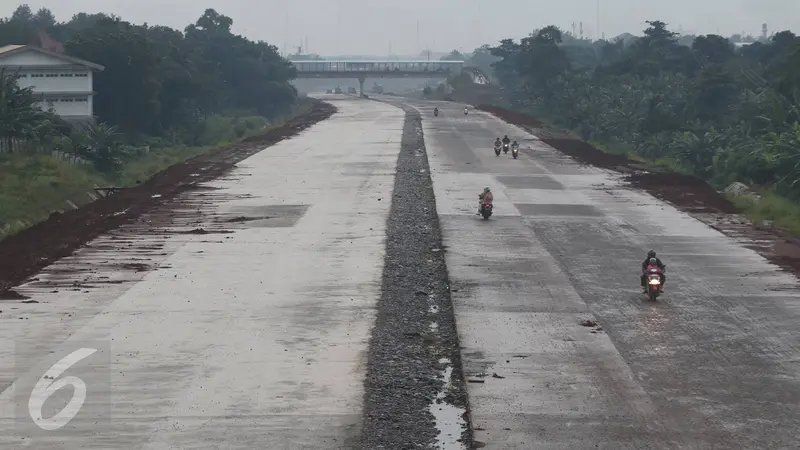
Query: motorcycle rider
<point x="465" y="110"/>
<point x="497" y="143"/>
<point x="515" y="144"/>
<point x="506" y="140"/>
<point x="436" y="110"/>
<point x="652" y="260"/>
<point x="484" y="198"/>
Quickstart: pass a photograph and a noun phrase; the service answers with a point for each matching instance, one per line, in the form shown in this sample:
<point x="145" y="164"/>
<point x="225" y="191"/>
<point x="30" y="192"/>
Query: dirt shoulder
<point x="687" y="193"/>
<point x="24" y="254"/>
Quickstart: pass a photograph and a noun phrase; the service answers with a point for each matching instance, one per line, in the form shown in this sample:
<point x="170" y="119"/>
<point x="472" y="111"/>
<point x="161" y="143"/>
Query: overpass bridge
<point x="377" y="69"/>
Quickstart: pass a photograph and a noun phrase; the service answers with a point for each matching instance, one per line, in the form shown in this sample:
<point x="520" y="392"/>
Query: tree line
<point x="158" y="82"/>
<point x="708" y="108"/>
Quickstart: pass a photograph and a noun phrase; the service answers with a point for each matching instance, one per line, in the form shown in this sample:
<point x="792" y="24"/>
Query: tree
<point x="455" y="55"/>
<point x="714" y="49"/>
<point x="721" y="114"/>
<point x="158" y="82"/>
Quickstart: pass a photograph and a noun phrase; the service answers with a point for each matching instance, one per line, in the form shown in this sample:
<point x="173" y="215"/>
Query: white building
<point x="63" y="82"/>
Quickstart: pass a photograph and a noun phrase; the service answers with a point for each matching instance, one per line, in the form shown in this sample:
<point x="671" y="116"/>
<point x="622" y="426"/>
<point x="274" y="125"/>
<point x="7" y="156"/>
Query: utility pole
<point x="597" y="33"/>
<point x="416" y="50"/>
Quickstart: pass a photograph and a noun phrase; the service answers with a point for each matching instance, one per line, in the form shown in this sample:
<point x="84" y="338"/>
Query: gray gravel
<point x="403" y="363"/>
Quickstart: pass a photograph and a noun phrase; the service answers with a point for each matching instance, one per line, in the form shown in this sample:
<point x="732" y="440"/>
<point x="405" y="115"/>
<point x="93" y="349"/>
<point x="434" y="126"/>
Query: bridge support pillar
<point x="361" y="79"/>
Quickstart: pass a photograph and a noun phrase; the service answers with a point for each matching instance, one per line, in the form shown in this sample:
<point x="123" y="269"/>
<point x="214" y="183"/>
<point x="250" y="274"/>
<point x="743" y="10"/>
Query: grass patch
<point x="781" y="211"/>
<point x="33" y="185"/>
<point x="144" y="167"/>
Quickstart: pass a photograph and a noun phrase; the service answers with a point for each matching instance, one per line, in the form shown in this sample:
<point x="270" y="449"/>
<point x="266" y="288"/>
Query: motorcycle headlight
<point x="655" y="281"/>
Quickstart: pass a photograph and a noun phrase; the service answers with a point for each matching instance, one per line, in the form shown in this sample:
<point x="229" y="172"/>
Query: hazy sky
<point x="375" y="26"/>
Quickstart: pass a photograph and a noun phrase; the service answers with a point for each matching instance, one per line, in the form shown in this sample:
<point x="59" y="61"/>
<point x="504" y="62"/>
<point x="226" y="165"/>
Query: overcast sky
<point x="375" y="26"/>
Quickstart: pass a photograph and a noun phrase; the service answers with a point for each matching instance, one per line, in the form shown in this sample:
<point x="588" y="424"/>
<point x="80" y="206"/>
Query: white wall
<point x="68" y="106"/>
<point x="45" y="74"/>
<point x="44" y="80"/>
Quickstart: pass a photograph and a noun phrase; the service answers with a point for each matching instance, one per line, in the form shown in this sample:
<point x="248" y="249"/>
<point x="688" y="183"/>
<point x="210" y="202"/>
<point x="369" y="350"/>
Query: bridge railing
<point x="379" y="66"/>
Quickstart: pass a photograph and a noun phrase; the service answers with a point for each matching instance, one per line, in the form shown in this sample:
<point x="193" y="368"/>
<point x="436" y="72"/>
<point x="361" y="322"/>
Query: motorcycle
<point x="436" y="112"/>
<point x="465" y="111"/>
<point x="653" y="278"/>
<point x="515" y="151"/>
<point x="486" y="210"/>
<point x="497" y="150"/>
<point x="505" y="148"/>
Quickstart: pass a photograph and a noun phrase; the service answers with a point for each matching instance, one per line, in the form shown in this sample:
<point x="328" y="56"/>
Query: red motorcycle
<point x="653" y="278"/>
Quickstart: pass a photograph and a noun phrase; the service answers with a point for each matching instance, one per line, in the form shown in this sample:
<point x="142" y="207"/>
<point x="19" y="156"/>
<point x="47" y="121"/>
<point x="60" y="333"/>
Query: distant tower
<point x="764" y="31"/>
<point x="581" y="29"/>
<point x="574" y="32"/>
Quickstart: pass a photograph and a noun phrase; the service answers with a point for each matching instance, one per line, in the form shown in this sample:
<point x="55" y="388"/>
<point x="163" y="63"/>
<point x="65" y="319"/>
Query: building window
<point x="82" y="75"/>
<point x="37" y="75"/>
<point x="63" y="75"/>
<point x="51" y="75"/>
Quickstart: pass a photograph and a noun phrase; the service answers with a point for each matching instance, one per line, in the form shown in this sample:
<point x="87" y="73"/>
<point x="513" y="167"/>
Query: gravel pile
<point x="403" y="369"/>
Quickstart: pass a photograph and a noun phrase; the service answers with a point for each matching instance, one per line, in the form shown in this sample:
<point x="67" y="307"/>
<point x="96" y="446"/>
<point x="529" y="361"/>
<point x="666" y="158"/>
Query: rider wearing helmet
<point x="497" y="142"/>
<point x="484" y="198"/>
<point x="652" y="260"/>
<point x="506" y="140"/>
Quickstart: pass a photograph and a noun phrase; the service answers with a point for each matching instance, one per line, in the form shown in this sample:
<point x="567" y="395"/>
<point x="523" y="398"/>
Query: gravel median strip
<point x="414" y="337"/>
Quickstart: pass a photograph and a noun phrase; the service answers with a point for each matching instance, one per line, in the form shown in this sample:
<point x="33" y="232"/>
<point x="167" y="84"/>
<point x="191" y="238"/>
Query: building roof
<point x="9" y="50"/>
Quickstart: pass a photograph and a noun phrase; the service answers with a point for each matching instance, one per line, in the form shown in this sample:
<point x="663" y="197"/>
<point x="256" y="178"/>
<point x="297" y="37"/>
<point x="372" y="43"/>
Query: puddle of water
<point x="449" y="418"/>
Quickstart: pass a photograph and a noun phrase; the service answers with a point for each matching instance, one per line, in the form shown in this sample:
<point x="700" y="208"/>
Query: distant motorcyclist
<point x="515" y="144"/>
<point x="436" y="111"/>
<point x="497" y="143"/>
<point x="506" y="140"/>
<point x="465" y="110"/>
<point x="484" y="198"/>
<point x="652" y="260"/>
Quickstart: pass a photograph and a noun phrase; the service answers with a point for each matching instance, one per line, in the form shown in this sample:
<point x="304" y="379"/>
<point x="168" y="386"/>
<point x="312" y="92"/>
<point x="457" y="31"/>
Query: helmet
<point x="486" y="189"/>
<point x="653" y="261"/>
<point x="651" y="254"/>
<point x="506" y="136"/>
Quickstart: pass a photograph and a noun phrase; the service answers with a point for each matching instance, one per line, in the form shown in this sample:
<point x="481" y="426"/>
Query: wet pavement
<point x="713" y="364"/>
<point x="237" y="316"/>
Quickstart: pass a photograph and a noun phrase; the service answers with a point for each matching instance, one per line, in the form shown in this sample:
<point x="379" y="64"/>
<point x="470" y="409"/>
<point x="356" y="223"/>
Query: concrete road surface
<point x="250" y="334"/>
<point x="713" y="364"/>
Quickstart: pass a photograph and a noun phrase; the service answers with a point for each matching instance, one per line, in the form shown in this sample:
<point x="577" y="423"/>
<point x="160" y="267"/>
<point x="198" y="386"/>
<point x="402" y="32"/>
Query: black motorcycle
<point x="505" y="148"/>
<point x="496" y="149"/>
<point x="515" y="152"/>
<point x="436" y="112"/>
<point x="486" y="210"/>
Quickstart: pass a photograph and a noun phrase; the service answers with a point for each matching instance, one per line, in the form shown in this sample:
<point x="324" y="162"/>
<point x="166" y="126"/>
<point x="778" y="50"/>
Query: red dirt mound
<point x="586" y="153"/>
<point x="692" y="193"/>
<point x="510" y="116"/>
<point x="24" y="254"/>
